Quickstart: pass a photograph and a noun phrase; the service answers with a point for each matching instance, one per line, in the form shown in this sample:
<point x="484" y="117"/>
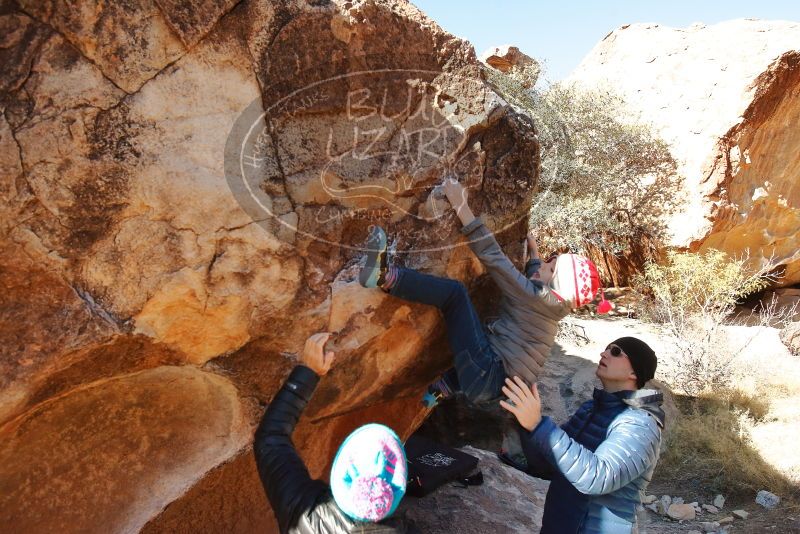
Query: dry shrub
<point x="709" y="447"/>
<point x="692" y="296"/>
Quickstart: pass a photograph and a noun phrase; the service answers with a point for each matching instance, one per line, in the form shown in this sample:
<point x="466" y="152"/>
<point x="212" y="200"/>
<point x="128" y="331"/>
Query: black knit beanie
<point x="642" y="358"/>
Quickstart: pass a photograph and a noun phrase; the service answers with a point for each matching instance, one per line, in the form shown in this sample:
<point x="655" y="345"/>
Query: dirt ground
<point x="780" y="520"/>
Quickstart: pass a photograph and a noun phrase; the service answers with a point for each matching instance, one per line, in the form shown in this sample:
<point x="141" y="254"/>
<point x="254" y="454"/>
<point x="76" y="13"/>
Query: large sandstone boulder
<point x="725" y="98"/>
<point x="186" y="187"/>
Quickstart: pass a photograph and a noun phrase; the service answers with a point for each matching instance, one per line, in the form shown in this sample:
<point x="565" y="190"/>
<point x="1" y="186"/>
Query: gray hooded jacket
<point x="529" y="312"/>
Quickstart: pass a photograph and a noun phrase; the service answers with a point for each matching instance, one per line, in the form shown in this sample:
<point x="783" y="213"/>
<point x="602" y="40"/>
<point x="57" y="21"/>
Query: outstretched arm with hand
<point x="629" y="450"/>
<point x="483" y="243"/>
<point x="457" y="196"/>
<point x="289" y="488"/>
<point x="531" y="247"/>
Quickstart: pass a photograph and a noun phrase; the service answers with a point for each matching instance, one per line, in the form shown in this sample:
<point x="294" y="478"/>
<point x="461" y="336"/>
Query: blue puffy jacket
<point x="599" y="462"/>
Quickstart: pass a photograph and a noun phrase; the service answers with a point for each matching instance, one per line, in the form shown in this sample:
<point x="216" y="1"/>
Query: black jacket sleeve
<point x="289" y="488"/>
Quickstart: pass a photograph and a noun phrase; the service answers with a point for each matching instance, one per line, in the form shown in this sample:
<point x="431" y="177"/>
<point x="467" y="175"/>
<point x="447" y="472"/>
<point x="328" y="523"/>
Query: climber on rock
<point x="368" y="477"/>
<point x="519" y="341"/>
<point x="601" y="460"/>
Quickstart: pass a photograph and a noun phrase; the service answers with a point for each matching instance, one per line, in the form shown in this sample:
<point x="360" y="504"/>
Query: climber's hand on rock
<point x="457" y="196"/>
<point x="454" y="192"/>
<point x="527" y="406"/>
<point x="532" y="247"/>
<point x="314" y="356"/>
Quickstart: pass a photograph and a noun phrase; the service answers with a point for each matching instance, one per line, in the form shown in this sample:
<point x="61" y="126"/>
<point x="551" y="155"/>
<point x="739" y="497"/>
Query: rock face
<point x="162" y="428"/>
<point x="505" y="58"/>
<point x="186" y="187"/>
<point x="725" y="98"/>
<point x="790" y="335"/>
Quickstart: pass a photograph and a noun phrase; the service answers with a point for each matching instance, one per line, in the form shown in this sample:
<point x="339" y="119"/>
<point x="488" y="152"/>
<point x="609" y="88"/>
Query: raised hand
<point x="527" y="406"/>
<point x="532" y="249"/>
<point x="457" y="196"/>
<point x="314" y="356"/>
<point x="454" y="192"/>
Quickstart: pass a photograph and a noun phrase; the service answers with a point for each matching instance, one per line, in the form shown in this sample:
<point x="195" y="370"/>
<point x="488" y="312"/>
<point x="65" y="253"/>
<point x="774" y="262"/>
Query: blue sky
<point x="562" y="33"/>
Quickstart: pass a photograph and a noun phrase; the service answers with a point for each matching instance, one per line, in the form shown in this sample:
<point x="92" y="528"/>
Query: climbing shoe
<point x="374" y="270"/>
<point x="437" y="392"/>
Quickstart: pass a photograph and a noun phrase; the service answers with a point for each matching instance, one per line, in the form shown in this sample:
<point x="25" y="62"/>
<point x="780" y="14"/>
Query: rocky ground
<point x="734" y="516"/>
<point x="511" y="501"/>
<point x="507" y="501"/>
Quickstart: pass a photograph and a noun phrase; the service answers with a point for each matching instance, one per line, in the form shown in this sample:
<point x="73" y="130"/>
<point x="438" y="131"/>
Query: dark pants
<point x="478" y="371"/>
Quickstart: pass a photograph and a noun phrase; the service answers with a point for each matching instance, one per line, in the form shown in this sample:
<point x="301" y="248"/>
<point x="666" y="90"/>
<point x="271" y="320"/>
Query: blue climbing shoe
<point x="430" y="400"/>
<point x="437" y="392"/>
<point x="374" y="269"/>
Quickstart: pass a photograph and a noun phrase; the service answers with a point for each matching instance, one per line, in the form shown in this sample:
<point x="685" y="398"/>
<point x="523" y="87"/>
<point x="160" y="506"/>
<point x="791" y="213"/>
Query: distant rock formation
<point x="725" y="97"/>
<point x="506" y="58"/>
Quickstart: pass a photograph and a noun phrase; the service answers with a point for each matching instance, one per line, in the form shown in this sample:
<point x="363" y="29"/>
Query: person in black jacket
<point x="305" y="506"/>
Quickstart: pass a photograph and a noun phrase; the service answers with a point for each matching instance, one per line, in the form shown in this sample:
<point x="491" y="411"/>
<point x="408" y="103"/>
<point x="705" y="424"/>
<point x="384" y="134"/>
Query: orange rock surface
<point x="186" y="188"/>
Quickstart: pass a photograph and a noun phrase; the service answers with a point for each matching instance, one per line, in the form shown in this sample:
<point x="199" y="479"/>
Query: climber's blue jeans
<point x="478" y="371"/>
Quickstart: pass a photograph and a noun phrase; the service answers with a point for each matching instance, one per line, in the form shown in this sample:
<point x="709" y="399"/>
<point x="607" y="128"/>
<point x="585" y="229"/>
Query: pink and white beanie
<point x="576" y="280"/>
<point x="369" y="473"/>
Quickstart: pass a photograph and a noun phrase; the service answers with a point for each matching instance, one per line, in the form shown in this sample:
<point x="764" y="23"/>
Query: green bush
<point x="708" y="284"/>
<point x="605" y="179"/>
<point x="693" y="296"/>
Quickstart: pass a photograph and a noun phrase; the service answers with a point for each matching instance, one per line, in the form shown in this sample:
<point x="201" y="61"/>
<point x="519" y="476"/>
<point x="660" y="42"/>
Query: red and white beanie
<point x="575" y="279"/>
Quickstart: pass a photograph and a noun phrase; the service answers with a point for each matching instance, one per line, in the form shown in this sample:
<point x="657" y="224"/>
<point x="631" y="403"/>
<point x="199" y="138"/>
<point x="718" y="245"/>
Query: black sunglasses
<point x="614" y="350"/>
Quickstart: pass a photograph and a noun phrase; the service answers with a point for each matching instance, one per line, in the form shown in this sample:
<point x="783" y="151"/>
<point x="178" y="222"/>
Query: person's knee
<point x="458" y="293"/>
<point x="459" y="287"/>
<point x="472" y="377"/>
<point x="484" y="380"/>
